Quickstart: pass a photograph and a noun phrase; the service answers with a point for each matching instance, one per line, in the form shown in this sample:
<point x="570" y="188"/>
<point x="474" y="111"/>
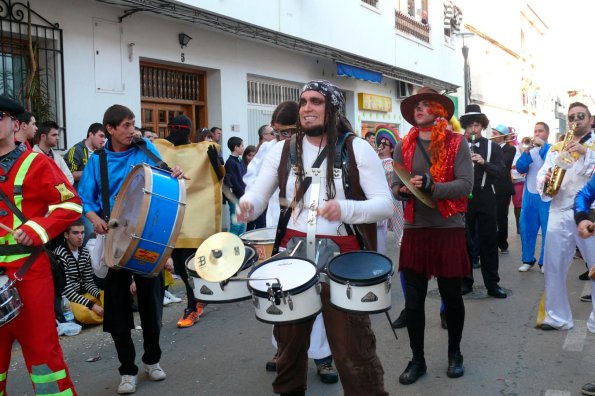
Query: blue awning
<point x="358" y="72"/>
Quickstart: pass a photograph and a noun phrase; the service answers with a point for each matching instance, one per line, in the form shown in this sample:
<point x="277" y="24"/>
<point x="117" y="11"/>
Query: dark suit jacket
<point x="503" y="185"/>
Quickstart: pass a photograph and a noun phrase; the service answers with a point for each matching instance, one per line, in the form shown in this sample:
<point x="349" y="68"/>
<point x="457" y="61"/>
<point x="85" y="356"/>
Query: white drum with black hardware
<point x="228" y="291"/>
<point x="360" y="282"/>
<point x="10" y="301"/>
<point x="285" y="290"/>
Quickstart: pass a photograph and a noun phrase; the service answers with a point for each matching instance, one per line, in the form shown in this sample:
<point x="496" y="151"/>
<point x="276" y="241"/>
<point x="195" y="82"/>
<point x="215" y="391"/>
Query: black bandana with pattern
<point x="331" y="93"/>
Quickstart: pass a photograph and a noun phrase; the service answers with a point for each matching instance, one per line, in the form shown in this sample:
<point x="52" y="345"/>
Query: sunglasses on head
<point x="4" y="113"/>
<point x="577" y="116"/>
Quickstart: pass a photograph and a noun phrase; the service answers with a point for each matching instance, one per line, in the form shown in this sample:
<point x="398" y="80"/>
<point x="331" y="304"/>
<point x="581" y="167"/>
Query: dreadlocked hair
<point x="437" y="140"/>
<point x="330" y="129"/>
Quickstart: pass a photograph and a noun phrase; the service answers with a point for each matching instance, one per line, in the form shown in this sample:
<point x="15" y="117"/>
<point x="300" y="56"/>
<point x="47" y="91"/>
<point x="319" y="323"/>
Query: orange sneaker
<point x="200" y="308"/>
<point x="188" y="319"/>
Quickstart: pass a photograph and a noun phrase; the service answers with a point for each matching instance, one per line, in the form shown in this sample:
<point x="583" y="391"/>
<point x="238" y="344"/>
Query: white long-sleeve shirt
<point x="574" y="179"/>
<point x="376" y="207"/>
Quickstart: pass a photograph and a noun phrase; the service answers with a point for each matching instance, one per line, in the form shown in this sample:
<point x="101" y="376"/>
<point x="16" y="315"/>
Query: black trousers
<point x="481" y="214"/>
<point x="179" y="256"/>
<point x="450" y="290"/>
<point x="502" y="207"/>
<point x="118" y="319"/>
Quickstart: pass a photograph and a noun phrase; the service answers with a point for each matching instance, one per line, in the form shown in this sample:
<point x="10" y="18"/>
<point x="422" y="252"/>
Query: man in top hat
<point x="434" y="243"/>
<point x="503" y="187"/>
<point x="488" y="167"/>
<point x="33" y="184"/>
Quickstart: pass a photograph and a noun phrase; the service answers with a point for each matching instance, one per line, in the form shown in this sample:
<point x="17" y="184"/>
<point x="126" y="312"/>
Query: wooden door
<point x="156" y="115"/>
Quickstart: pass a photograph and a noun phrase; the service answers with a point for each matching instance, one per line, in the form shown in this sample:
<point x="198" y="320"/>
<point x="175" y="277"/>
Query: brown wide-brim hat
<point x="425" y="93"/>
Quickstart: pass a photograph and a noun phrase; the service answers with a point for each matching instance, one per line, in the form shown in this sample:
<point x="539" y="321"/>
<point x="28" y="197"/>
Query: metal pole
<point x="467" y="76"/>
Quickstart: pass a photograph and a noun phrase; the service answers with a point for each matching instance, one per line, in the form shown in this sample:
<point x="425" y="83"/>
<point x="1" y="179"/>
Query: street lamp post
<point x="467" y="70"/>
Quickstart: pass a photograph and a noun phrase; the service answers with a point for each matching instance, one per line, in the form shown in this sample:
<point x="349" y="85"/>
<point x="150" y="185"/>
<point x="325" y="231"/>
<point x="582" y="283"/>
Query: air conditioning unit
<point x="404" y="89"/>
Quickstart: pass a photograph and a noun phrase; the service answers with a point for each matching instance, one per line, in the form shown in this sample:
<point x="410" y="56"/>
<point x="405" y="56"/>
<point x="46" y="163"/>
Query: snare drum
<point x="10" y="302"/>
<point x="263" y="240"/>
<point x="227" y="291"/>
<point x="148" y="210"/>
<point x="360" y="282"/>
<point x="285" y="290"/>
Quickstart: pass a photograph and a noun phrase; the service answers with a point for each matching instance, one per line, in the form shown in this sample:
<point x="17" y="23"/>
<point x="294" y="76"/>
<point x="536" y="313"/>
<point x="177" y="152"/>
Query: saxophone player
<point x="562" y="236"/>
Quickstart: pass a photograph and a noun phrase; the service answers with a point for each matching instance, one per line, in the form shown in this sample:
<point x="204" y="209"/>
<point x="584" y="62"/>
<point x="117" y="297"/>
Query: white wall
<point x="227" y="59"/>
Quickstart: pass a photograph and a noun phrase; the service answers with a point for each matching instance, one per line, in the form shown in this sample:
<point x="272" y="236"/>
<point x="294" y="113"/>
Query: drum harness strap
<point x="142" y="146"/>
<point x="18" y="192"/>
<point x="342" y="166"/>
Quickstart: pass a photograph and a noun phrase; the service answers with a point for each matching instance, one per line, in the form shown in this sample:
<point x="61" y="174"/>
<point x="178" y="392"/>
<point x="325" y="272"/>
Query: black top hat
<point x="472" y="114"/>
<point x="11" y="106"/>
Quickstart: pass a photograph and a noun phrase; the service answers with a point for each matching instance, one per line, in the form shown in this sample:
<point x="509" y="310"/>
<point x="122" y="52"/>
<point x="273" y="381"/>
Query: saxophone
<point x="564" y="161"/>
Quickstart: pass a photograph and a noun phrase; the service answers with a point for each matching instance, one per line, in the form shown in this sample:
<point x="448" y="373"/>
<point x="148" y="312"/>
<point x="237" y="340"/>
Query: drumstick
<point x="6" y="228"/>
<point x="390" y="323"/>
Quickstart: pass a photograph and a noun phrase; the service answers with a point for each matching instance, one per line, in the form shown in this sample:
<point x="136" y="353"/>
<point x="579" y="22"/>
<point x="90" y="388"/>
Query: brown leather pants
<point x="353" y="345"/>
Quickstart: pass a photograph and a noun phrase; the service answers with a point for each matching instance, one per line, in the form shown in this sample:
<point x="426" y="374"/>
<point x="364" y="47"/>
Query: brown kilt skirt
<point x="439" y="252"/>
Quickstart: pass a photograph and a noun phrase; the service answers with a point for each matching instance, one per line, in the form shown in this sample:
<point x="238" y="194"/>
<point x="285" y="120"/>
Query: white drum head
<point x="130" y="209"/>
<point x="291" y="272"/>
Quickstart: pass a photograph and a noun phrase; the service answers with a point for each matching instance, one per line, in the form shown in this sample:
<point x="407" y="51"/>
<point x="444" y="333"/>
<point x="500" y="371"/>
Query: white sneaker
<point x="542" y="270"/>
<point x="127" y="385"/>
<point x="166" y="300"/>
<point x="171" y="297"/>
<point x="525" y="267"/>
<point x="155" y="372"/>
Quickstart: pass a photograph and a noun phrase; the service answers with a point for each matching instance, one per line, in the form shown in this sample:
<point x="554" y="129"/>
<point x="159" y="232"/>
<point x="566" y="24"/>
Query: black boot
<point x="455" y="365"/>
<point x="401" y="321"/>
<point x="294" y="393"/>
<point x="415" y="369"/>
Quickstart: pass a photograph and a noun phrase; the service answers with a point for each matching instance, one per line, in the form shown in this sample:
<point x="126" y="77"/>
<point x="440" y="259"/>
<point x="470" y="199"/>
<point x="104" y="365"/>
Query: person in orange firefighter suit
<point x="35" y="185"/>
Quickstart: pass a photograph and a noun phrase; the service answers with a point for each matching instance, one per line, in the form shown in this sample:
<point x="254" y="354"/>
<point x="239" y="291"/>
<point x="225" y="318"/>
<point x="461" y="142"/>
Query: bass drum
<point x="360" y="282"/>
<point x="148" y="211"/>
<point x="231" y="290"/>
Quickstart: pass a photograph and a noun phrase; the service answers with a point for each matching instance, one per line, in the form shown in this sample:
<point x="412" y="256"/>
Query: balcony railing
<point x="404" y="23"/>
<point x="373" y="3"/>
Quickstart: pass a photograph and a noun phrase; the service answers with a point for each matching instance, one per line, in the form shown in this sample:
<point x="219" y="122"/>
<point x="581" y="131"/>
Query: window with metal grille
<point x="31" y="63"/>
<point x="271" y="93"/>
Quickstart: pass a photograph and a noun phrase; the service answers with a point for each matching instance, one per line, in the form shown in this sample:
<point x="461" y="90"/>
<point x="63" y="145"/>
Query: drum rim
<point x="360" y="282"/>
<point x="259" y="241"/>
<point x="294" y="291"/>
<point x="144" y="213"/>
<point x="284" y="322"/>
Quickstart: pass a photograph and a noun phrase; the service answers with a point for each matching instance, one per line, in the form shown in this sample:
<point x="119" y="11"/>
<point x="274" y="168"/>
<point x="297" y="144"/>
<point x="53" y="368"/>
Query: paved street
<point x="225" y="353"/>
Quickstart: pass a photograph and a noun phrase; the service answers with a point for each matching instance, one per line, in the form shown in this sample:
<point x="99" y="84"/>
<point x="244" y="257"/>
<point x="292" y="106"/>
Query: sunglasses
<point x="178" y="127"/>
<point x="385" y="144"/>
<point x="4" y="113"/>
<point x="577" y="116"/>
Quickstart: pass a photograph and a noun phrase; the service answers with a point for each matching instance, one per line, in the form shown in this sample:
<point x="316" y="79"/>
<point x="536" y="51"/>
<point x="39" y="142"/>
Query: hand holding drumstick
<point x="19" y="235"/>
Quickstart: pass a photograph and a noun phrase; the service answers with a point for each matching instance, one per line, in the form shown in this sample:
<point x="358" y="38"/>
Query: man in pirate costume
<point x="367" y="200"/>
<point x="33" y="184"/>
<point x="434" y="241"/>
